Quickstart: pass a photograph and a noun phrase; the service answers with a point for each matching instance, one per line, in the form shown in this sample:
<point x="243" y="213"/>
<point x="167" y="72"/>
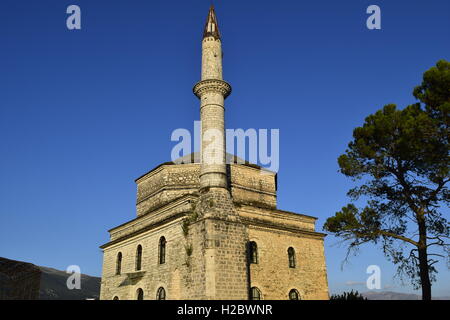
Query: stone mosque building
<point x="211" y="230"/>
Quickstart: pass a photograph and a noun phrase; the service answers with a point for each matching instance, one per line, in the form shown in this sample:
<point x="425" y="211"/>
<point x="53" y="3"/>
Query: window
<point x="138" y="258"/>
<point x="293" y="295"/>
<point x="140" y="294"/>
<point x="119" y="263"/>
<point x="291" y="256"/>
<point x="162" y="250"/>
<point x="116" y="298"/>
<point x="253" y="252"/>
<point x="255" y="294"/>
<point x="161" y="294"/>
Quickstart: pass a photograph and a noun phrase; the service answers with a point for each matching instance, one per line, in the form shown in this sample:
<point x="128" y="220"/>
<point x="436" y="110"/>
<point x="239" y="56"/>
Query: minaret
<point x="212" y="91"/>
<point x="219" y="237"/>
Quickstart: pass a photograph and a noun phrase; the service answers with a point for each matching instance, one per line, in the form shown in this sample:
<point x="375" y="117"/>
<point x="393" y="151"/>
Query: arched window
<point x="255" y="294"/>
<point x="293" y="295"/>
<point x="116" y="298"/>
<point x="161" y="294"/>
<point x="253" y="252"/>
<point x="162" y="250"/>
<point x="138" y="258"/>
<point x="291" y="256"/>
<point x="119" y="263"/>
<point x="140" y="294"/>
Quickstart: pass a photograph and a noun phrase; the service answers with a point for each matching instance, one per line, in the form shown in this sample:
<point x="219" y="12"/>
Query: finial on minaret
<point x="212" y="26"/>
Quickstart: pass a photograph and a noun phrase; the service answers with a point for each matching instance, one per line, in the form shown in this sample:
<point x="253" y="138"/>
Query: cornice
<point x="142" y="230"/>
<point x="265" y="225"/>
<point x="279" y="213"/>
<point x="165" y="188"/>
<point x="157" y="212"/>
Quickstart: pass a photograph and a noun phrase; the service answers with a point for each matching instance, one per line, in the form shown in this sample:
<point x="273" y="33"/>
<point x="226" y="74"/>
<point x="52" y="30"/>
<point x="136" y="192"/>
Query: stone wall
<point x="152" y="275"/>
<point x="273" y="276"/>
<point x="169" y="182"/>
<point x="252" y="186"/>
<point x="276" y="218"/>
<point x="206" y="258"/>
<point x="164" y="184"/>
<point x="222" y="242"/>
<point x="208" y="261"/>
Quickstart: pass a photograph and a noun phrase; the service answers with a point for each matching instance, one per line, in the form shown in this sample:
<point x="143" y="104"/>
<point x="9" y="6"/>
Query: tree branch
<point x="387" y="234"/>
<point x="396" y="236"/>
<point x="438" y="189"/>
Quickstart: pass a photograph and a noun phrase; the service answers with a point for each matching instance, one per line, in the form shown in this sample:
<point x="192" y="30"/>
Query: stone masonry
<point x="201" y="224"/>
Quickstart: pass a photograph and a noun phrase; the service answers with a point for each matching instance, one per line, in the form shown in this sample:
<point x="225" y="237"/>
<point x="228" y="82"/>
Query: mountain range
<point x="22" y="280"/>
<point x="25" y="281"/>
<point x="53" y="286"/>
<point x="390" y="295"/>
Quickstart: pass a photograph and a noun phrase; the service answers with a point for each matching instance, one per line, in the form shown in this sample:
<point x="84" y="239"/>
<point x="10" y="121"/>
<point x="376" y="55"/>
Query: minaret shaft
<point x="212" y="91"/>
<point x="211" y="58"/>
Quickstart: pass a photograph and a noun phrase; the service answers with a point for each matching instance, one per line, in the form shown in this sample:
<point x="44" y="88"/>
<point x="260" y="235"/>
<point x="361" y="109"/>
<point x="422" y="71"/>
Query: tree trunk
<point x="424" y="269"/>
<point x="424" y="274"/>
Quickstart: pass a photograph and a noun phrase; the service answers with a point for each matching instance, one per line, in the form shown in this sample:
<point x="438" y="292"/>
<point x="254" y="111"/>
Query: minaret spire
<point x="211" y="26"/>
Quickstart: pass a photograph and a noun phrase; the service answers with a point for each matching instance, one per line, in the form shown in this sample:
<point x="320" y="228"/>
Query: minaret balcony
<point x="212" y="85"/>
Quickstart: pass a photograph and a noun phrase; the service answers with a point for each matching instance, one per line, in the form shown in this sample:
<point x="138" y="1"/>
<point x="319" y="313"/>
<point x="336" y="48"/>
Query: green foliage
<point x="400" y="159"/>
<point x="191" y="218"/>
<point x="194" y="216"/>
<point x="188" y="249"/>
<point x="434" y="90"/>
<point x="352" y="295"/>
<point x="185" y="226"/>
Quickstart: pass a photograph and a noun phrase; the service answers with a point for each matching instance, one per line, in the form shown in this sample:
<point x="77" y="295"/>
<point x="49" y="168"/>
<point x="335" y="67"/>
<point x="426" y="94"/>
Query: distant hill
<point x="53" y="286"/>
<point x="389" y="295"/>
<point x="22" y="280"/>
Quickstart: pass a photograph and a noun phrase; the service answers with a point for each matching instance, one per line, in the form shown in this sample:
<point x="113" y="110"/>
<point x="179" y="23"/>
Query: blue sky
<point x="83" y="113"/>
